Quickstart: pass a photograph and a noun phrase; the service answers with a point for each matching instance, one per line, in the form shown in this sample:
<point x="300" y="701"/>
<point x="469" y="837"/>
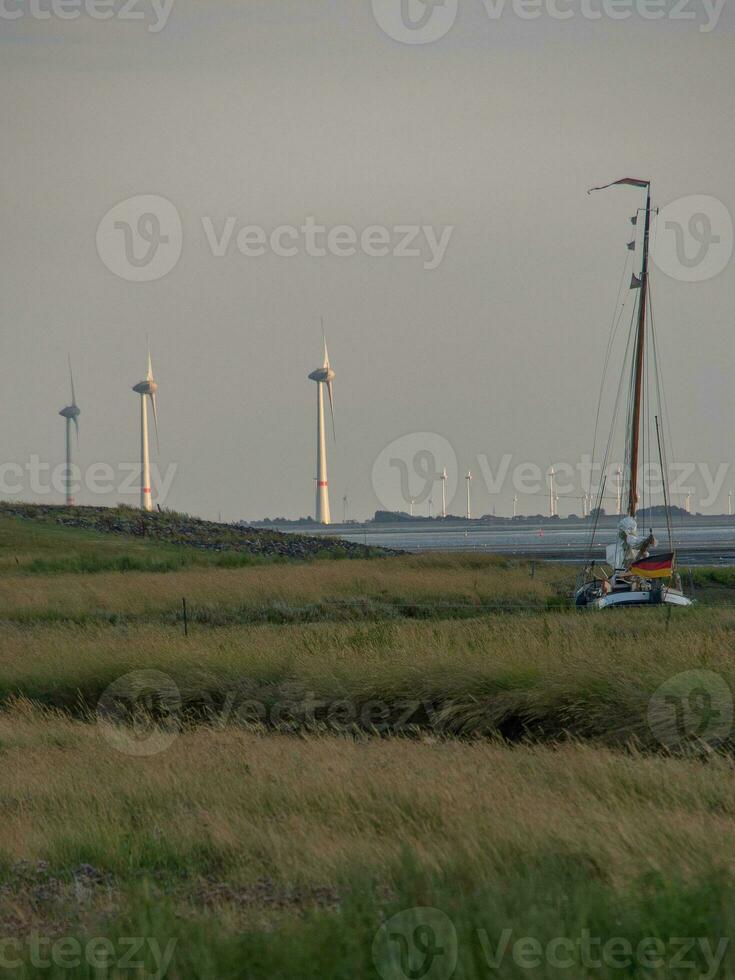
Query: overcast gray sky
<point x="274" y="111"/>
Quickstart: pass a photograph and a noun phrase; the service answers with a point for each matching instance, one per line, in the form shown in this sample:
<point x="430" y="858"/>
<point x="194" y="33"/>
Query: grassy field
<point x="356" y="769"/>
<point x="273" y="839"/>
<point x="537" y="677"/>
<point x="417" y="585"/>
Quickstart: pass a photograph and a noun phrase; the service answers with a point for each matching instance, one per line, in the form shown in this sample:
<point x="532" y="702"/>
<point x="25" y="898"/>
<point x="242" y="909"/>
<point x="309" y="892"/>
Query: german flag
<point x="656" y="566"/>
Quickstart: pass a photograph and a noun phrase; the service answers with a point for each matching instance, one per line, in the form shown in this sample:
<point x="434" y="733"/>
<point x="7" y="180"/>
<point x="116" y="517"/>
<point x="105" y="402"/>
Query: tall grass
<point x="257" y="851"/>
<point x="416" y="586"/>
<point x="537" y="677"/>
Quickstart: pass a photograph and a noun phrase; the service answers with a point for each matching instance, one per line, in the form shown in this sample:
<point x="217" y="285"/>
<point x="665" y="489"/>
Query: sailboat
<point x="633" y="574"/>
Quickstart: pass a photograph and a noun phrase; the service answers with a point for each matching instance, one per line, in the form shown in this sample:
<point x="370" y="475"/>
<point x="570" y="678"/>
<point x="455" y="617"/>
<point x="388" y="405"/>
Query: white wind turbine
<point x="468" y="478"/>
<point x="444" y="492"/>
<point x="71" y="414"/>
<point x="323" y="376"/>
<point x="146" y="389"/>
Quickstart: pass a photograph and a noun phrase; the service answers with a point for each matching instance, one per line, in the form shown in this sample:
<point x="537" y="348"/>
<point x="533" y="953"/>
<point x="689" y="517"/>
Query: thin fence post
<point x="533" y="569"/>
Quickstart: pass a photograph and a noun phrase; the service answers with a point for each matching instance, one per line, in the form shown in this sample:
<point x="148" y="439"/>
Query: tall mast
<point x="635" y="436"/>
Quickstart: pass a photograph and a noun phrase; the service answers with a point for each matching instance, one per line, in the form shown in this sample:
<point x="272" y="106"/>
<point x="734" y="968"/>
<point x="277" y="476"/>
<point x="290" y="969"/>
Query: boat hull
<point x="666" y="597"/>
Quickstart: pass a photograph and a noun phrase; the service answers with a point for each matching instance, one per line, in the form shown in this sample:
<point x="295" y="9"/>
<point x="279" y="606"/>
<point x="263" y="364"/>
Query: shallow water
<point x="696" y="544"/>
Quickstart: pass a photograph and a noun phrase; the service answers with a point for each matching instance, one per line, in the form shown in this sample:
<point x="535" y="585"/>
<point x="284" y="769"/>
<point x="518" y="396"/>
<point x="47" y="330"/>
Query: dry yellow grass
<point x="435" y="578"/>
<point x="295" y="810"/>
<point x="534" y="676"/>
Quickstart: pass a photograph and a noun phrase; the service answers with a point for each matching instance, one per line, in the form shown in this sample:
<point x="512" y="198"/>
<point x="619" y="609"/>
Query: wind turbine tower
<point x="552" y="494"/>
<point x="71" y="414"/>
<point x="468" y="478"/>
<point x="444" y="492"/>
<point x="146" y="389"/>
<point x="324" y="376"/>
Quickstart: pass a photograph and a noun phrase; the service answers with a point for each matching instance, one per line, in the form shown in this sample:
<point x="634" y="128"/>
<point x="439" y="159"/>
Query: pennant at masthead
<point x="628" y="181"/>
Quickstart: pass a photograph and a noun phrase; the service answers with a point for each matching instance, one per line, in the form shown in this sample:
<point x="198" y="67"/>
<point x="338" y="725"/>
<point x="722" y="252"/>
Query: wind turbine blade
<point x="71" y="378"/>
<point x="76" y="426"/>
<point x="149" y="375"/>
<point x="155" y="420"/>
<point x="331" y="408"/>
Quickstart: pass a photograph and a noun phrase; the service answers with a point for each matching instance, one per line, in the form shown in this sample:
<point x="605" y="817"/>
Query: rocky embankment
<point x="191" y="532"/>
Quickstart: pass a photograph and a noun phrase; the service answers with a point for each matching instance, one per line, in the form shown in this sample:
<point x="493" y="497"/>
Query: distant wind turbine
<point x="71" y="414"/>
<point x="468" y="478"/>
<point x="146" y="389"/>
<point x="324" y="376"/>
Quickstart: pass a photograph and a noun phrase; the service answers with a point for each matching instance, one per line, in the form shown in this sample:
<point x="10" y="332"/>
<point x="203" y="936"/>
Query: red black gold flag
<point x="655" y="566"/>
